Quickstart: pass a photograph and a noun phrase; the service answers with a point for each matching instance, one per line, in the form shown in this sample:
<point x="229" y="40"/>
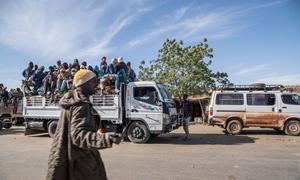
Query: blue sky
<point x="253" y="41"/>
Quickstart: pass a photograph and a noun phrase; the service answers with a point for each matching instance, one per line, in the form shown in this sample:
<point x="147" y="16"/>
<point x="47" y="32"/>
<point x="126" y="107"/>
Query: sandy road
<point x="256" y="154"/>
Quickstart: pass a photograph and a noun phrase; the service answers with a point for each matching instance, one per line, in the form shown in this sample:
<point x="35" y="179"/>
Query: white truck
<point x="140" y="110"/>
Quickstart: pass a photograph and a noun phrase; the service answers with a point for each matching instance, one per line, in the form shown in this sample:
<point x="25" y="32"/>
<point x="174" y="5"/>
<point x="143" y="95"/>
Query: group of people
<point x="58" y="78"/>
<point x="12" y="97"/>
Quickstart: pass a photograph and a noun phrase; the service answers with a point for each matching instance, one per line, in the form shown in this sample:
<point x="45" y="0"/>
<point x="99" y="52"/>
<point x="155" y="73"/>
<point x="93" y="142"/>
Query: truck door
<point x="261" y="110"/>
<point x="145" y="104"/>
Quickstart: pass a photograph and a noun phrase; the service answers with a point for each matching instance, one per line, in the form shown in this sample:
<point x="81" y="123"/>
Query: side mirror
<point x="158" y="102"/>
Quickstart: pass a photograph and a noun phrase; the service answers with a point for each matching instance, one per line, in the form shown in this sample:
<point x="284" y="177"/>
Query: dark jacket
<point x="112" y="69"/>
<point x="74" y="153"/>
<point x="27" y="73"/>
<point x="186" y="108"/>
<point x="131" y="75"/>
<point x="121" y="66"/>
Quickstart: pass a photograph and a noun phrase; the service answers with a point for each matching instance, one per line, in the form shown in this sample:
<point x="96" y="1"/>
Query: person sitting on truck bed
<point x="64" y="77"/>
<point x="103" y="65"/>
<point x="121" y="71"/>
<point x="37" y="79"/>
<point x="28" y="71"/>
<point x="74" y="153"/>
<point x="50" y="81"/>
<point x="130" y="73"/>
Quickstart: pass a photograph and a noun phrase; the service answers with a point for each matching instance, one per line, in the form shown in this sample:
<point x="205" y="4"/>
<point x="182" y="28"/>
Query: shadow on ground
<point x="262" y="132"/>
<point x="199" y="139"/>
<point x="21" y="130"/>
<point x="11" y="131"/>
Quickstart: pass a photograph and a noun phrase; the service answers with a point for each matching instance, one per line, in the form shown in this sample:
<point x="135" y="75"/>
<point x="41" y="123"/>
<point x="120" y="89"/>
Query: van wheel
<point x="1" y="125"/>
<point x="292" y="128"/>
<point x="234" y="127"/>
<point x="52" y="128"/>
<point x="138" y="132"/>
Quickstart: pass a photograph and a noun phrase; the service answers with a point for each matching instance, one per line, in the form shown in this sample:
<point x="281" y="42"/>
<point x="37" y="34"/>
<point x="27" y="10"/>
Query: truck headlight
<point x="166" y="119"/>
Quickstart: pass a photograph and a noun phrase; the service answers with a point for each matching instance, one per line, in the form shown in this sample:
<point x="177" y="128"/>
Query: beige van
<point x="266" y="106"/>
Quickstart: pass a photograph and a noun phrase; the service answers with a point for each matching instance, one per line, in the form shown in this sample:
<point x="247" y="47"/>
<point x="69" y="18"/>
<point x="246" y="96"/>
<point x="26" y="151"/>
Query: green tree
<point x="183" y="69"/>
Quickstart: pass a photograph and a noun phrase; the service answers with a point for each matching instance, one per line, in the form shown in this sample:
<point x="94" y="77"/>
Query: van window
<point x="292" y="99"/>
<point x="261" y="99"/>
<point x="230" y="99"/>
<point x="145" y="94"/>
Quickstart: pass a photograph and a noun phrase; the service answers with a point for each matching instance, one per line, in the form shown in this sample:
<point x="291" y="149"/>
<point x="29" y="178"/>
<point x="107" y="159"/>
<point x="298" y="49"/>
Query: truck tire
<point x="1" y="125"/>
<point x="292" y="128"/>
<point x="7" y="123"/>
<point x="52" y="128"/>
<point x="138" y="132"/>
<point x="234" y="127"/>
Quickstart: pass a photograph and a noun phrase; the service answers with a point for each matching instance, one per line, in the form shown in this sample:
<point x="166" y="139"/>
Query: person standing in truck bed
<point x="74" y="153"/>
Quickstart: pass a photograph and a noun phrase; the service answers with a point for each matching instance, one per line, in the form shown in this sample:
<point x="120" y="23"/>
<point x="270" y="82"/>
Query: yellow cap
<point x="83" y="76"/>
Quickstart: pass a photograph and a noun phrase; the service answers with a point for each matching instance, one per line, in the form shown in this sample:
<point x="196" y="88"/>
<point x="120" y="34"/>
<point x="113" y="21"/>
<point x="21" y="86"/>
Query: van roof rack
<point x="251" y="87"/>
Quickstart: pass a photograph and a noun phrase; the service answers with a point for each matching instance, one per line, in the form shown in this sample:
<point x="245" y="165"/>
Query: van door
<point x="261" y="110"/>
<point x="144" y="105"/>
<point x="290" y="106"/>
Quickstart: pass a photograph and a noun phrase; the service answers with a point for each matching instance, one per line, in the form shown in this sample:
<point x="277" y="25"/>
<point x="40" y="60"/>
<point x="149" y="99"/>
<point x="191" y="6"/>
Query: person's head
<point x="73" y="71"/>
<point x="120" y="59"/>
<point x="103" y="59"/>
<point x="84" y="63"/>
<point x="185" y="96"/>
<point x="35" y="67"/>
<point x="42" y="68"/>
<point x="30" y="64"/>
<point x="76" y="61"/>
<point x="128" y="64"/>
<point x="51" y="68"/>
<point x="86" y="81"/>
<point x="58" y="63"/>
<point x="114" y="61"/>
<point x="90" y="68"/>
<point x="65" y="65"/>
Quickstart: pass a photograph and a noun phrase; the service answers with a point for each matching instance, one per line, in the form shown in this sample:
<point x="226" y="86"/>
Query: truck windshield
<point x="164" y="93"/>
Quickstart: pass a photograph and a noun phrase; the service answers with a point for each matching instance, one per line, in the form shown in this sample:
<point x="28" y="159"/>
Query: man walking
<point x="186" y="116"/>
<point x="74" y="153"/>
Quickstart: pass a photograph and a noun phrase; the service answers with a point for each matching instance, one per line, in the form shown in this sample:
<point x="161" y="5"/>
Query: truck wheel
<point x="292" y="128"/>
<point x="52" y="128"/>
<point x="138" y="132"/>
<point x="7" y="123"/>
<point x="234" y="127"/>
<point x="1" y="125"/>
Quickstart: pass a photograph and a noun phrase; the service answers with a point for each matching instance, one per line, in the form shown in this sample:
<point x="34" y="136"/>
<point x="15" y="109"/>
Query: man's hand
<point x="112" y="137"/>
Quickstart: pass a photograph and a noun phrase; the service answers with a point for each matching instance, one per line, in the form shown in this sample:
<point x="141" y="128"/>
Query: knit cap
<point x="82" y="76"/>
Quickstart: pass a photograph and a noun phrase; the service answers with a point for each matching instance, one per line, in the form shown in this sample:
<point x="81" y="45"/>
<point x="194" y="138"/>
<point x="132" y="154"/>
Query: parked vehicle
<point x="139" y="110"/>
<point x="265" y="106"/>
<point x="10" y="115"/>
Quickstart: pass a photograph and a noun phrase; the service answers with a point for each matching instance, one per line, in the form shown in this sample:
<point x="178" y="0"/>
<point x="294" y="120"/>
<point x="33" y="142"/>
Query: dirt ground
<point x="210" y="154"/>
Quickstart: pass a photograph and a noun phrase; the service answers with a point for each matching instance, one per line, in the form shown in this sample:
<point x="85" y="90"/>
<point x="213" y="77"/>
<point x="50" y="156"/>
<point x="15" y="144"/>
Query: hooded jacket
<point x="74" y="153"/>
